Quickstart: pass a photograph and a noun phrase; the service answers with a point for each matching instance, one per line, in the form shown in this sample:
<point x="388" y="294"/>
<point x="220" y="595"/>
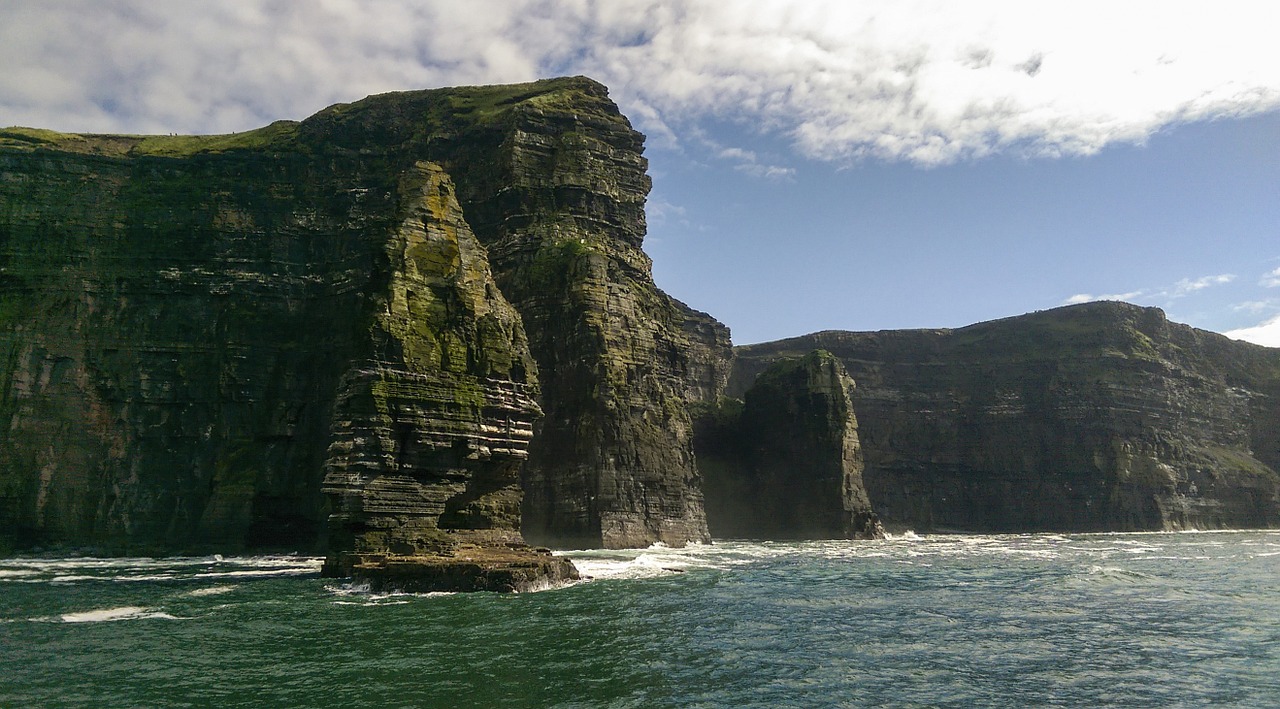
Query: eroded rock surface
<point x="196" y="331"/>
<point x="786" y="463"/>
<point x="429" y="435"/>
<point x="1104" y="416"/>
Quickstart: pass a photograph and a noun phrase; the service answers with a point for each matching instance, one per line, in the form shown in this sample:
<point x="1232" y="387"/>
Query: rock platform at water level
<point x="514" y="569"/>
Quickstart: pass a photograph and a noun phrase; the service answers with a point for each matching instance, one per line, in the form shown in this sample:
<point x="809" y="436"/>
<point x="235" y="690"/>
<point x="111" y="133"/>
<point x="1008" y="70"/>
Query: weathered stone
<point x="1096" y="417"/>
<point x="555" y="187"/>
<point x="518" y="569"/>
<point x="428" y="439"/>
<point x="786" y="463"/>
<point x="194" y="330"/>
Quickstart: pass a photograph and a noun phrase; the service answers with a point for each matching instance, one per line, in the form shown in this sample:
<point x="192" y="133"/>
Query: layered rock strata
<point x="427" y="440"/>
<point x="554" y="185"/>
<point x="196" y="330"/>
<point x="786" y="463"/>
<point x="1102" y="416"/>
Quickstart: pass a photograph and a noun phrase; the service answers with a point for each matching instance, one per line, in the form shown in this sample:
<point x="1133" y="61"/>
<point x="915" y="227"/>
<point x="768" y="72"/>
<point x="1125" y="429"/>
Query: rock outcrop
<point x="554" y="185"/>
<point x="427" y="438"/>
<point x="1102" y="416"/>
<point x="420" y="328"/>
<point x="786" y="462"/>
<point x="197" y="333"/>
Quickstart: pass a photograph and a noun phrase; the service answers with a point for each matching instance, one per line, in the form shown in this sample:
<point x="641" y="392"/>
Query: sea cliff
<point x="418" y="331"/>
<point x="1097" y="417"/>
<point x="785" y="462"/>
<point x="406" y="304"/>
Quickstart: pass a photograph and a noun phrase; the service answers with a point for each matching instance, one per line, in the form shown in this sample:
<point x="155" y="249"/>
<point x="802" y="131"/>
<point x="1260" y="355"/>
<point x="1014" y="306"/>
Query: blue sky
<point x="817" y="165"/>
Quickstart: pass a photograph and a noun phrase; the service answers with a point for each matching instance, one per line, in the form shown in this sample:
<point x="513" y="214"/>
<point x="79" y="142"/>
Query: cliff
<point x="1103" y="416"/>
<point x="198" y="333"/>
<point x="786" y="463"/>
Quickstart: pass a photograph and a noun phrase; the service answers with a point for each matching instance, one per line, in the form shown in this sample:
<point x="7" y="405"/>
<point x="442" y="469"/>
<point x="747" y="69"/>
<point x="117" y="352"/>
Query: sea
<point x="1073" y="620"/>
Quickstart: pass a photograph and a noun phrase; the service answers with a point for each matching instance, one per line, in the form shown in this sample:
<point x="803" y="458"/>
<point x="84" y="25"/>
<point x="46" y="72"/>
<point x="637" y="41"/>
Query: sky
<point x="817" y="165"/>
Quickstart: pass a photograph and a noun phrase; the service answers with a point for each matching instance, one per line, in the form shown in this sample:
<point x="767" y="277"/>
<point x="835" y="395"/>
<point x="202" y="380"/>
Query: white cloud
<point x="930" y="81"/>
<point x="1266" y="333"/>
<point x="1089" y="298"/>
<point x="1187" y="285"/>
<point x="769" y="172"/>
<point x="1271" y="280"/>
<point x="659" y="211"/>
<point x="1254" y="306"/>
<point x="1180" y="289"/>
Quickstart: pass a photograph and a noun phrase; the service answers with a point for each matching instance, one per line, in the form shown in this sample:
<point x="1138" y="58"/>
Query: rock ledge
<point x="514" y="569"/>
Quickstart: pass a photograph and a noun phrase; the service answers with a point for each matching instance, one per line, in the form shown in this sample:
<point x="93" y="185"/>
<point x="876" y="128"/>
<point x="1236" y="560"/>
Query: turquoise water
<point x="1150" y="620"/>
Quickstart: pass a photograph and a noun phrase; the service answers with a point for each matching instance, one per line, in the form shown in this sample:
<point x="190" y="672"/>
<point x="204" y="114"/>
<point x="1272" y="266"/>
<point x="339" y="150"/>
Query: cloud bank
<point x="925" y="82"/>
<point x="1267" y="334"/>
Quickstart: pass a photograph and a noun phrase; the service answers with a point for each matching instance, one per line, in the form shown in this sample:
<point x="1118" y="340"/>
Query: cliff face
<point x="559" y="202"/>
<point x="786" y="463"/>
<point x="428" y="434"/>
<point x="194" y="331"/>
<point x="1103" y="416"/>
<point x="172" y="332"/>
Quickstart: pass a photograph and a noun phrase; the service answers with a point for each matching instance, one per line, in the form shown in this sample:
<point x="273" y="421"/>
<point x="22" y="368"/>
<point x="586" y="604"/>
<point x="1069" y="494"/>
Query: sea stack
<point x="786" y="463"/>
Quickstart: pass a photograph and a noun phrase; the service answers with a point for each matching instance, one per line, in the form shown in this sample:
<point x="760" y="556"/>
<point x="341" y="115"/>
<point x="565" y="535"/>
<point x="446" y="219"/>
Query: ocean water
<point x="1125" y="620"/>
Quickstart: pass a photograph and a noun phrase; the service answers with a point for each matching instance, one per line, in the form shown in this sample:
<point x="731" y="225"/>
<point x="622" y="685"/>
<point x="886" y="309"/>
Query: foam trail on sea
<point x="211" y="591"/>
<point x="104" y="615"/>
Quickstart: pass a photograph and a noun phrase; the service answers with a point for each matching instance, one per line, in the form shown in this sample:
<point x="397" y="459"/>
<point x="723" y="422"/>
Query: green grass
<point x="278" y="135"/>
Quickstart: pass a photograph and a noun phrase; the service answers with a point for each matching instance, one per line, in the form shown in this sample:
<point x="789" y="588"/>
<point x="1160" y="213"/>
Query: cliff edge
<point x="409" y="302"/>
<point x="1096" y="417"/>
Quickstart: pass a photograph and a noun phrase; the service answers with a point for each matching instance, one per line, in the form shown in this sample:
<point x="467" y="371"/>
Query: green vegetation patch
<point x="277" y="136"/>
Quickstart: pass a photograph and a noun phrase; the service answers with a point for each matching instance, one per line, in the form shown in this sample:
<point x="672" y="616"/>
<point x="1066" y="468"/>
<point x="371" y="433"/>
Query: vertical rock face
<point x="172" y="330"/>
<point x="1102" y="416"/>
<point x="786" y="463"/>
<point x="194" y="331"/>
<point x="428" y="433"/>
<point x="555" y="188"/>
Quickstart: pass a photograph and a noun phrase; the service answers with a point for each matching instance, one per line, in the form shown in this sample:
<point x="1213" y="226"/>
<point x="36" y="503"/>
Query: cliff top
<point x="460" y="106"/>
<point x="1097" y="329"/>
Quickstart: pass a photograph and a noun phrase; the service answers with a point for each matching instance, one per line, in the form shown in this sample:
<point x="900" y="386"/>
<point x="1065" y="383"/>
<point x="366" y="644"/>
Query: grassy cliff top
<point x="458" y="106"/>
<point x="1095" y="330"/>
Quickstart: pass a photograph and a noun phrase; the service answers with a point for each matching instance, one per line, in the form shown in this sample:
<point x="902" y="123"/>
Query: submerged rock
<point x="1097" y="417"/>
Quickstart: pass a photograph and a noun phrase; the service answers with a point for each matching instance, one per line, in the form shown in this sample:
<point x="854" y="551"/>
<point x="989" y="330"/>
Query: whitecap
<point x="211" y="591"/>
<point x="254" y="573"/>
<point x="104" y="615"/>
<point x="614" y="568"/>
<point x="72" y="578"/>
<point x="349" y="589"/>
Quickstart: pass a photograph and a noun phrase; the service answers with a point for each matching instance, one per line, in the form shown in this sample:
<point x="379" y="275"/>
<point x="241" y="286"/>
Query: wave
<point x="105" y="615"/>
<point x="211" y="591"/>
<point x="1116" y="573"/>
<point x="158" y="570"/>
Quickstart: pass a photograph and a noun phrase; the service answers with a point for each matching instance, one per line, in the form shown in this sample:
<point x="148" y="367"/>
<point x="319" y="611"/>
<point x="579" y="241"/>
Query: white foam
<point x="254" y="573"/>
<point x="105" y="615"/>
<point x="211" y="591"/>
<point x="72" y="578"/>
<point x="394" y="598"/>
